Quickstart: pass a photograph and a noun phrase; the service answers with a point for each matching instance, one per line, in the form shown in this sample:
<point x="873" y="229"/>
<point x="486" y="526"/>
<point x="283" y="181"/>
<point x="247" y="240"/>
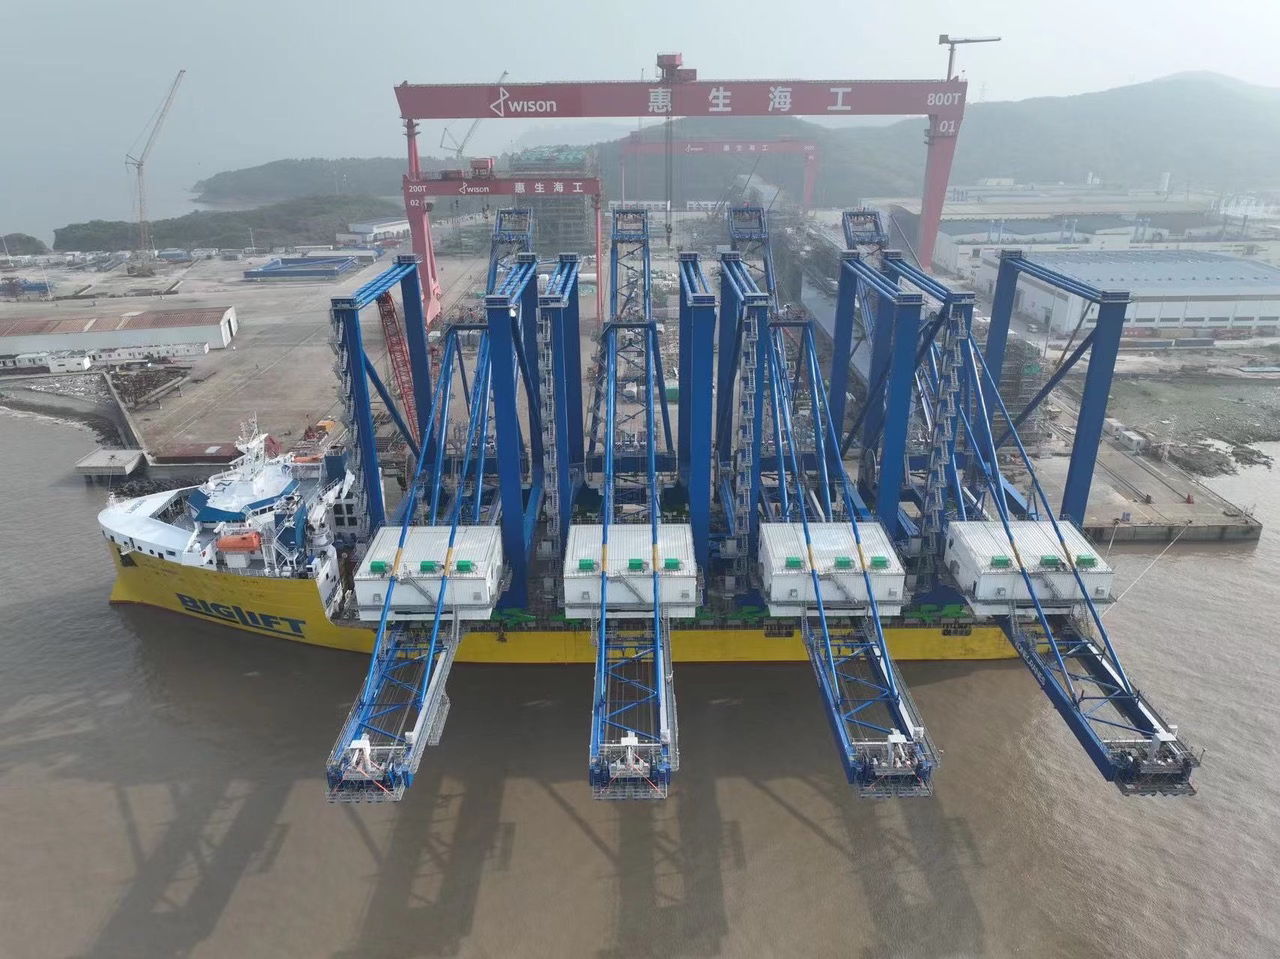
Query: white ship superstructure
<point x="268" y="516"/>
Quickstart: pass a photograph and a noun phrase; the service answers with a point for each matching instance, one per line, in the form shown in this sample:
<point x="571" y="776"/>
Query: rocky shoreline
<point x="80" y="399"/>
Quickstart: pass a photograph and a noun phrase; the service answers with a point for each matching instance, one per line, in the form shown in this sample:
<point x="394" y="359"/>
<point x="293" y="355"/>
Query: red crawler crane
<point x="398" y="352"/>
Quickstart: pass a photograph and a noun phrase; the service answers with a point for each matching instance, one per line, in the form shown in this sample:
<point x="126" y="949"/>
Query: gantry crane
<point x="822" y="556"/>
<point x="512" y="234"/>
<point x="1011" y="556"/>
<point x="460" y="528"/>
<point x="143" y="265"/>
<point x="774" y="513"/>
<point x="649" y="578"/>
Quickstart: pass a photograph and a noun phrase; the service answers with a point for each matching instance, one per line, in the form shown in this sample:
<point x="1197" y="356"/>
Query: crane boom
<point x="461" y="145"/>
<point x="160" y="117"/>
<point x="138" y="162"/>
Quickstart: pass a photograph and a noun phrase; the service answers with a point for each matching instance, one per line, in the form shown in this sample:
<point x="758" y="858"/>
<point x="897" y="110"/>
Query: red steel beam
<point x="698" y="98"/>
<point x="532" y="185"/>
<point x="418" y="193"/>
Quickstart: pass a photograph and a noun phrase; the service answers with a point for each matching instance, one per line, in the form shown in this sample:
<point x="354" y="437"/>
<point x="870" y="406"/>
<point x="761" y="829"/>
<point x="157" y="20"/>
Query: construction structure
<point x="142" y="263"/>
<point x="1188" y="292"/>
<point x="681" y="93"/>
<point x="564" y="219"/>
<point x="766" y="484"/>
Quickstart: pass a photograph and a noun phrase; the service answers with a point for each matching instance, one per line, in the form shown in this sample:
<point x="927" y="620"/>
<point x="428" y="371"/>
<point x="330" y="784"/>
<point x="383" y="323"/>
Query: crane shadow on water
<point x="510" y="723"/>
<point x="161" y="714"/>
<point x="201" y="813"/>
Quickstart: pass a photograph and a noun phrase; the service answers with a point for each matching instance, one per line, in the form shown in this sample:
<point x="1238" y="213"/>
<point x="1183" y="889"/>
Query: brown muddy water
<point x="161" y="789"/>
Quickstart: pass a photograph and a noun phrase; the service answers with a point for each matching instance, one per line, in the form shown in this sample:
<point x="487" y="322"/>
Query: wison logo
<point x="505" y="105"/>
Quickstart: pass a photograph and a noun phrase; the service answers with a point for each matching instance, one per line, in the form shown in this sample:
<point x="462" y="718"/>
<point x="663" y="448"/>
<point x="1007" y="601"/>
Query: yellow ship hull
<point x="291" y="609"/>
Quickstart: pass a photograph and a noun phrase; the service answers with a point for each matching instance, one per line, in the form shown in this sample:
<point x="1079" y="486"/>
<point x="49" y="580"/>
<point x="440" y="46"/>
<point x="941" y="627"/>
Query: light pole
<point x="952" y="42"/>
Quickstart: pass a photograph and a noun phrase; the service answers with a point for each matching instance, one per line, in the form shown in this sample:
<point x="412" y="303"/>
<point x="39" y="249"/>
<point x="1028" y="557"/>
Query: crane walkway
<point x="882" y="742"/>
<point x="633" y="747"/>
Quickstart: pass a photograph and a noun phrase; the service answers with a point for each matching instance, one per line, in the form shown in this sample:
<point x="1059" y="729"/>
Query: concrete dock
<point x="279" y="367"/>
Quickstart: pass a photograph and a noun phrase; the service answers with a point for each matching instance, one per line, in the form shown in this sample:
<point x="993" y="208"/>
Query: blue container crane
<point x="402" y="704"/>
<point x="791" y="474"/>
<point x="959" y="486"/>
<point x="633" y="747"/>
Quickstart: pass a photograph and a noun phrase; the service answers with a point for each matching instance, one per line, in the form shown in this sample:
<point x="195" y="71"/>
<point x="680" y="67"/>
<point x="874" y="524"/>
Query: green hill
<point x="306" y="220"/>
<point x="1208" y="131"/>
<point x="287" y="179"/>
<point x="22" y="244"/>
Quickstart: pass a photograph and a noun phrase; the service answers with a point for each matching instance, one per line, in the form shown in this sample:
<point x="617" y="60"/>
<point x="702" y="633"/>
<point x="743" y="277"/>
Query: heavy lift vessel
<point x="747" y="500"/>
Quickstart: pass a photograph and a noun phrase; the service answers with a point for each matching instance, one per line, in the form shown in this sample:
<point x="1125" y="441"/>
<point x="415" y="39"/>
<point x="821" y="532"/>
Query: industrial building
<point x="362" y="255"/>
<point x="1200" y="294"/>
<point x="374" y="231"/>
<point x="999" y="213"/>
<point x="214" y="326"/>
<point x="322" y="267"/>
<point x="962" y="243"/>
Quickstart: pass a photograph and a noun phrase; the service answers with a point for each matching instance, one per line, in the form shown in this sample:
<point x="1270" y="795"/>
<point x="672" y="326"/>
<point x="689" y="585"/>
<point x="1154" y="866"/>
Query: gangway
<point x="632" y="591"/>
<point x="822" y="558"/>
<point x="1019" y="561"/>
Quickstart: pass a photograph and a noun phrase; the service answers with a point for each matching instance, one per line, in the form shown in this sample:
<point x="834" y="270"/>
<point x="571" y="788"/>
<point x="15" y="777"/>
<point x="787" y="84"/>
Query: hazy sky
<point x="271" y="79"/>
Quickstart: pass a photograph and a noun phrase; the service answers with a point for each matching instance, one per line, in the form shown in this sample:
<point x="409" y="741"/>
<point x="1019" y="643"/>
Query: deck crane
<point x="823" y="558"/>
<point x="444" y="560"/>
<point x="1014" y="559"/>
<point x="645" y="571"/>
<point x="144" y="266"/>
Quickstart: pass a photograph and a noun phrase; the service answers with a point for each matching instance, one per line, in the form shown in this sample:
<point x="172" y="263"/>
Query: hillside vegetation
<point x="306" y="220"/>
<point x="23" y="244"/>
<point x="286" y="179"/>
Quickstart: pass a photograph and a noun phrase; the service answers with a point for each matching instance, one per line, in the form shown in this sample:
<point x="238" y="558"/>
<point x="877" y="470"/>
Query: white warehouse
<point x="1174" y="291"/>
<point x="366" y="234"/>
<point x="214" y="326"/>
